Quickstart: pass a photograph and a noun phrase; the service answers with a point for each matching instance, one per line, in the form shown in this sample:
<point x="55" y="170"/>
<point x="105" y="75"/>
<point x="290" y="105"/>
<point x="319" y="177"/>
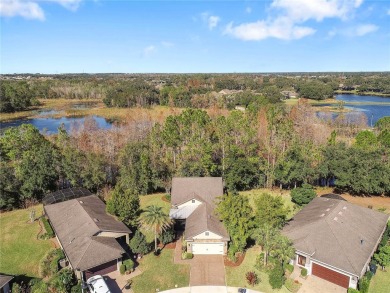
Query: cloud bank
<point x="290" y="15"/>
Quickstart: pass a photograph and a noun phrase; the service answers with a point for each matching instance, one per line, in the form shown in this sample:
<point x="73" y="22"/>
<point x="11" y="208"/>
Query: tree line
<point x="271" y="147"/>
<point x="186" y="90"/>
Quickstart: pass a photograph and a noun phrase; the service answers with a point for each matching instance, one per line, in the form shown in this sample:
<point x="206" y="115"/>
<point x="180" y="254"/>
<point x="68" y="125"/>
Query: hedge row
<point x="49" y="231"/>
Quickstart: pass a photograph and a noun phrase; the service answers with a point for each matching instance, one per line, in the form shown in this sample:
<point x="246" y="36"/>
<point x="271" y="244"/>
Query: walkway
<point x="208" y="289"/>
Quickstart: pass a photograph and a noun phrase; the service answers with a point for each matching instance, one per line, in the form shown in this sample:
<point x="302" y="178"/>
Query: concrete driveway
<point x="314" y="284"/>
<point x="207" y="270"/>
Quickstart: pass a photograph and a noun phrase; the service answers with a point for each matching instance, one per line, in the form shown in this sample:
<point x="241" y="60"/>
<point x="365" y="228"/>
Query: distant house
<point x="289" y="94"/>
<point x="193" y="201"/>
<point x="91" y="239"/>
<point x="335" y="240"/>
<point x="4" y="283"/>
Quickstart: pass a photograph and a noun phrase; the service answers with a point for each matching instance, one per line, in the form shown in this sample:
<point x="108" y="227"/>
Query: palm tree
<point x="154" y="218"/>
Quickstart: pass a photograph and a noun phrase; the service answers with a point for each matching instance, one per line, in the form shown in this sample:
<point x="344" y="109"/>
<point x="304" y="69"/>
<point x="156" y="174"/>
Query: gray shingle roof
<point x="76" y="221"/>
<point x="206" y="190"/>
<point x="337" y="233"/>
<point x="4" y="279"/>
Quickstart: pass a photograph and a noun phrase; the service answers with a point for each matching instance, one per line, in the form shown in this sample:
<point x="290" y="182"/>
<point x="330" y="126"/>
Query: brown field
<point x="377" y="202"/>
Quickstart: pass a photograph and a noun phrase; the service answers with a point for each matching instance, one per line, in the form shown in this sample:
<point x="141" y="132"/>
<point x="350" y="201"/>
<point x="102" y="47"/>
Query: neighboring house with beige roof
<point x="193" y="201"/>
<point x="4" y="283"/>
<point x="88" y="235"/>
<point x="335" y="240"/>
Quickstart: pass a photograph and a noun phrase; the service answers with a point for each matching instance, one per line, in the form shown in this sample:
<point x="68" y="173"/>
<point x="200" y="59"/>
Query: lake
<point x="50" y="125"/>
<point x="372" y="106"/>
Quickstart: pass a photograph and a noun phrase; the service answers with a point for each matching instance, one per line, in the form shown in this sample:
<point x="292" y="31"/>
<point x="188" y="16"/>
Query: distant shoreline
<point x="374" y="94"/>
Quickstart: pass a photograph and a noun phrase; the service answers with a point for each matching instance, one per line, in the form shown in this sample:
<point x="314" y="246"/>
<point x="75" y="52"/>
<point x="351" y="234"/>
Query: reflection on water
<point x="50" y="125"/>
<point x="372" y="112"/>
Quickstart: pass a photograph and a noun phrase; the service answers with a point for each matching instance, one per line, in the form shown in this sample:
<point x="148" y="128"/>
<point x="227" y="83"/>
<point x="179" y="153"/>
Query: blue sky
<point x="74" y="36"/>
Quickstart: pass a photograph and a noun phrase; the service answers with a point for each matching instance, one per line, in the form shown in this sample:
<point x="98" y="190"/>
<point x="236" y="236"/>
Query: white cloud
<point x="69" y="4"/>
<point x="30" y="9"/>
<point x="26" y="9"/>
<point x="364" y="29"/>
<point x="211" y="20"/>
<point x="260" y="30"/>
<point x="355" y="31"/>
<point x="289" y="17"/>
<point x="167" y="44"/>
<point x="149" y="50"/>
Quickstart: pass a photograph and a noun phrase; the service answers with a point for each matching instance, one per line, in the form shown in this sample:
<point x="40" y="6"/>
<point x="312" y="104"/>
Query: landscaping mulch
<point x="229" y="263"/>
<point x="171" y="245"/>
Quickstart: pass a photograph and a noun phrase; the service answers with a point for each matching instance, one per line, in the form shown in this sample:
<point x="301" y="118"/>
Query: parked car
<point x="96" y="284"/>
<point x="241" y="290"/>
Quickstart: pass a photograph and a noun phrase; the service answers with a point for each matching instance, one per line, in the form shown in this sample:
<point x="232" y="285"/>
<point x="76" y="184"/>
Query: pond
<point x="372" y="107"/>
<point x="50" y="125"/>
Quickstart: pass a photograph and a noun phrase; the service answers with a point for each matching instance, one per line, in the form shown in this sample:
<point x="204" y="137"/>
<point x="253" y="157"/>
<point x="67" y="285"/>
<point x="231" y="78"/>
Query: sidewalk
<point x="208" y="289"/>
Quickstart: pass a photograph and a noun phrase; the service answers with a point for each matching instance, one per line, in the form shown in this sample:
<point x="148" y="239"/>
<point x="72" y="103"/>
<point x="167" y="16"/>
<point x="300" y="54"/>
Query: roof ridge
<point x="85" y="250"/>
<point x="89" y="216"/>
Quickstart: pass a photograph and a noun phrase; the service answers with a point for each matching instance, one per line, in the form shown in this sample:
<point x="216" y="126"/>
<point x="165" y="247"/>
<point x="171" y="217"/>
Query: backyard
<point x="20" y="250"/>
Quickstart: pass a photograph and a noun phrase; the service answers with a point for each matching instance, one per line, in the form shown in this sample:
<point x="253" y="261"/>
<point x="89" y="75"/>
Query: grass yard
<point x="235" y="276"/>
<point x="285" y="194"/>
<point x="380" y="283"/>
<point x="20" y="250"/>
<point x="160" y="273"/>
<point x="153" y="199"/>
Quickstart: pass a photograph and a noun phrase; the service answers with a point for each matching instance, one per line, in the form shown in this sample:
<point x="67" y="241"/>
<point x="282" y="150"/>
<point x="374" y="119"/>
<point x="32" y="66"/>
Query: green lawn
<point x="20" y="251"/>
<point x="255" y="193"/>
<point x="380" y="283"/>
<point x="160" y="273"/>
<point x="153" y="199"/>
<point x="235" y="276"/>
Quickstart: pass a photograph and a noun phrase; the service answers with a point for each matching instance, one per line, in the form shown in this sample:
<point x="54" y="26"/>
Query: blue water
<point x="372" y="112"/>
<point x="50" y="125"/>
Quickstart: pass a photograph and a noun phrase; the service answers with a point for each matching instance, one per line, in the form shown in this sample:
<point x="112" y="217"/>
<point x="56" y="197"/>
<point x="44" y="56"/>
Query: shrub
<point x="62" y="281"/>
<point x="351" y="290"/>
<point x="303" y="195"/>
<point x="168" y="197"/>
<point x="38" y="286"/>
<point x="129" y="264"/>
<point x="251" y="278"/>
<point x="122" y="269"/>
<point x="49" y="231"/>
<point x="292" y="286"/>
<point x="76" y="288"/>
<point x="289" y="268"/>
<point x="369" y="275"/>
<point x="276" y="277"/>
<point x="260" y="262"/>
<point x="138" y="243"/>
<point x="187" y="255"/>
<point x="364" y="283"/>
<point x="49" y="264"/>
<point x="167" y="236"/>
<point x="232" y="253"/>
<point x="303" y="272"/>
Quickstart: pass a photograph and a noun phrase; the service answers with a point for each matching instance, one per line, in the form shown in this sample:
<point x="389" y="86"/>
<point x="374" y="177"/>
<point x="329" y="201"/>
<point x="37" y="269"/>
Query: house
<point x="193" y="201"/>
<point x="90" y="238"/>
<point x="4" y="283"/>
<point x="335" y="240"/>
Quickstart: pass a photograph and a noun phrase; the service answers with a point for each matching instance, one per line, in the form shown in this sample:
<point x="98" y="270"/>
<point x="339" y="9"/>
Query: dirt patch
<point x="229" y="263"/>
<point x="164" y="198"/>
<point x="376" y="202"/>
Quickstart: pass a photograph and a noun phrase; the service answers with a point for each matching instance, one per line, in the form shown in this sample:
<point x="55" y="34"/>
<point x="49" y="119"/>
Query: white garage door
<point x="207" y="248"/>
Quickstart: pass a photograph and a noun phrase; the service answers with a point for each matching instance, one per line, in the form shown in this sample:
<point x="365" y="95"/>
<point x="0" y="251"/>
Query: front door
<point x="301" y="260"/>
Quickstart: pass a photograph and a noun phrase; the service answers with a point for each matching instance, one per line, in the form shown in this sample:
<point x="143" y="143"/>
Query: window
<point x="206" y="233"/>
<point x="193" y="201"/>
<point x="301" y="260"/>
